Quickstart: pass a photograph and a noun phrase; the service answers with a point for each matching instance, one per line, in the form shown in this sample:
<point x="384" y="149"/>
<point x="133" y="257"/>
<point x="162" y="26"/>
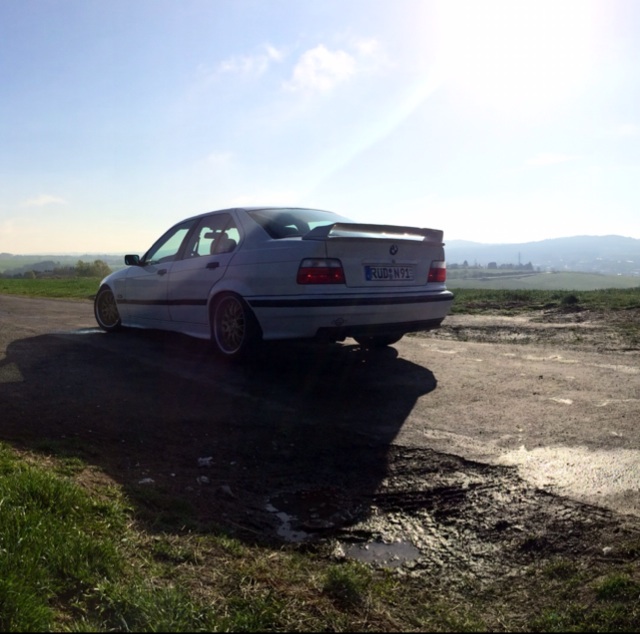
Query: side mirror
<point x="132" y="260"/>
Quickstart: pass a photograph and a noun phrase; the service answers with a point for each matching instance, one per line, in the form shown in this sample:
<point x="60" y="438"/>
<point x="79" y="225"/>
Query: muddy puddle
<point x="442" y="514"/>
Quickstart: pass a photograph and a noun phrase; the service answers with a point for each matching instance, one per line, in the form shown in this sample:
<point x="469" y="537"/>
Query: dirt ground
<point x="569" y="328"/>
<point x="299" y="446"/>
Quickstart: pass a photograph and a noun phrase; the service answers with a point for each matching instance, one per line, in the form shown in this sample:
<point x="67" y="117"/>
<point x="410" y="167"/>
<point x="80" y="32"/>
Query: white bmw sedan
<point x="239" y="276"/>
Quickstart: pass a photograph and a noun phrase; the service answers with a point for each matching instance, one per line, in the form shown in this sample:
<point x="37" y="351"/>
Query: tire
<point x="378" y="341"/>
<point x="234" y="330"/>
<point x="106" y="311"/>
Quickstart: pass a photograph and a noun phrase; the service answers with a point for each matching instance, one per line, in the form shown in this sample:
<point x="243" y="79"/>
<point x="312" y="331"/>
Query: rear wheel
<point x="377" y="341"/>
<point x="233" y="326"/>
<point x="106" y="311"/>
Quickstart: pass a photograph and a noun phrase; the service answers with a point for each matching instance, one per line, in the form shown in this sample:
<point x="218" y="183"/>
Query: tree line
<point x="97" y="268"/>
<point x="493" y="265"/>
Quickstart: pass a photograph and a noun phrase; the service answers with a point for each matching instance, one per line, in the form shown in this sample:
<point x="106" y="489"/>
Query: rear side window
<point x="209" y="235"/>
<point x="291" y="222"/>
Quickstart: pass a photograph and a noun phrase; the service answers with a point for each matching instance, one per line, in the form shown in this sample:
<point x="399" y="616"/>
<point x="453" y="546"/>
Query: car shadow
<point x="290" y="444"/>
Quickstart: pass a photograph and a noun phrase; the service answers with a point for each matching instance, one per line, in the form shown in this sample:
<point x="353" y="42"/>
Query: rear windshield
<point x="292" y="222"/>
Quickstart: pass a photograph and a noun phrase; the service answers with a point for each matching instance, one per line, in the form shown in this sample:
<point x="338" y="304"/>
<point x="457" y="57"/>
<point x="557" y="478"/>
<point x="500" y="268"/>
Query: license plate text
<point x="388" y="273"/>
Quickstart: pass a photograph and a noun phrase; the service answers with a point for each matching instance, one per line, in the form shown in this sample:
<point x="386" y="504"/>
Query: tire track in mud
<point x="441" y="515"/>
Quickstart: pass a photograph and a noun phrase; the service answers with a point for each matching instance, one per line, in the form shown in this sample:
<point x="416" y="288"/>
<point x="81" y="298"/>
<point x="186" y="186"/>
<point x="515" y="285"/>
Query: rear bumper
<point x="339" y="316"/>
<point x="350" y="301"/>
<point x="340" y="333"/>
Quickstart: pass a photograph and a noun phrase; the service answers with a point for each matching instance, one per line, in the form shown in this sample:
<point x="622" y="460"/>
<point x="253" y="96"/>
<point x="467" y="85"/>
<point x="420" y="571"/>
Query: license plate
<point x="388" y="273"/>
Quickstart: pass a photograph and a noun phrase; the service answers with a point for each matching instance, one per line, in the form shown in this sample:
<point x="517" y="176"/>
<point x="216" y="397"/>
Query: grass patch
<point x="73" y="558"/>
<point x="56" y="542"/>
<point x="347" y="585"/>
<point x="566" y="280"/>
<point x="76" y="288"/>
<point x="473" y="300"/>
<point x="618" y="308"/>
<point x="609" y="604"/>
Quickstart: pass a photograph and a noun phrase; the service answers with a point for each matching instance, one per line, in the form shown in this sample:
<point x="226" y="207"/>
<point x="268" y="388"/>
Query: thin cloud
<point x="320" y="70"/>
<point x="43" y="200"/>
<point x="370" y="55"/>
<point x="251" y="64"/>
<point x="367" y="46"/>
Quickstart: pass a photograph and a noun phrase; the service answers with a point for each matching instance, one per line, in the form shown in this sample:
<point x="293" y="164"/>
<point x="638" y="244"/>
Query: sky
<point x="497" y="121"/>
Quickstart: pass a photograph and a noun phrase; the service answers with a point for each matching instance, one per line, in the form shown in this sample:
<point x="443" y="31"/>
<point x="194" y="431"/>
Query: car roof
<point x="253" y="208"/>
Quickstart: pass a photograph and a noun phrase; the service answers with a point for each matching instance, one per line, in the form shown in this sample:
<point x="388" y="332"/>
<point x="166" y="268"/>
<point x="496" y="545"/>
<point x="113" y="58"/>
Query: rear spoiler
<point x="375" y="232"/>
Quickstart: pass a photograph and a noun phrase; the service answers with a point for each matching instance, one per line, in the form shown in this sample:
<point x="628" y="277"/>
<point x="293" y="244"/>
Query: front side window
<point x="167" y="248"/>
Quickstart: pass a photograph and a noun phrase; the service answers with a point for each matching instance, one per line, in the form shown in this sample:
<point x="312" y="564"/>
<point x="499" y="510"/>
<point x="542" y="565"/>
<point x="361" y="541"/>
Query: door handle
<point x="162" y="272"/>
<point x="213" y="265"/>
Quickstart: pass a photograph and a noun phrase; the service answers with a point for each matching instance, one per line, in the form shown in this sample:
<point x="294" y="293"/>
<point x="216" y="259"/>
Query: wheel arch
<point x="217" y="294"/>
<point x="99" y="307"/>
<point x="250" y="328"/>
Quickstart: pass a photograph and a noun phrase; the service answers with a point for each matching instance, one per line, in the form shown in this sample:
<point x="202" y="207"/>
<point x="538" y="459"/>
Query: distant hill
<point x="19" y="264"/>
<point x="616" y="255"/>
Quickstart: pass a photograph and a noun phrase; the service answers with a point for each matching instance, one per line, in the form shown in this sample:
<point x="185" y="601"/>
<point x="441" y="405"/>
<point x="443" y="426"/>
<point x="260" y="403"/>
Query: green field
<point x="472" y="300"/>
<point x="63" y="288"/>
<point x="569" y="280"/>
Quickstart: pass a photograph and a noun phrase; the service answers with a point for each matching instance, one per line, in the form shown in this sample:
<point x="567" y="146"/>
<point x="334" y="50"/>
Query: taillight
<point x="320" y="271"/>
<point x="437" y="271"/>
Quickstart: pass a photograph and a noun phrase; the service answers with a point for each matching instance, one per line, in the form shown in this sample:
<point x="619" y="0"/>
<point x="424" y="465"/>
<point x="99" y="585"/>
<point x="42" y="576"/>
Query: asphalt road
<point x="568" y="420"/>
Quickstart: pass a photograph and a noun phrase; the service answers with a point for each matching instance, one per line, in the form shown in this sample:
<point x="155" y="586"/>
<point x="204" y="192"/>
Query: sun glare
<point x="515" y="55"/>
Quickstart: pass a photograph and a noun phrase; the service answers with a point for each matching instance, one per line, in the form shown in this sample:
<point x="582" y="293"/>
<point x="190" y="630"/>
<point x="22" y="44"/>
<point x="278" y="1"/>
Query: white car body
<point x="370" y="282"/>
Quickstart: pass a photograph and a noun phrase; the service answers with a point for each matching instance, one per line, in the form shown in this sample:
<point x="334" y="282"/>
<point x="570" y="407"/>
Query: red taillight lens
<point x="320" y="271"/>
<point x="437" y="271"/>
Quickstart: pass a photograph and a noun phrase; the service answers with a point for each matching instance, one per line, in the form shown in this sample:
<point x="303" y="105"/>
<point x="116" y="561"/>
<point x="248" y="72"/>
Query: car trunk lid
<point x="379" y="256"/>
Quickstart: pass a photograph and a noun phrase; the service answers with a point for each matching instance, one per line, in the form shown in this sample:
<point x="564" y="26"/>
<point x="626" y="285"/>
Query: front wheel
<point x="106" y="311"/>
<point x="377" y="341"/>
<point x="233" y="326"/>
